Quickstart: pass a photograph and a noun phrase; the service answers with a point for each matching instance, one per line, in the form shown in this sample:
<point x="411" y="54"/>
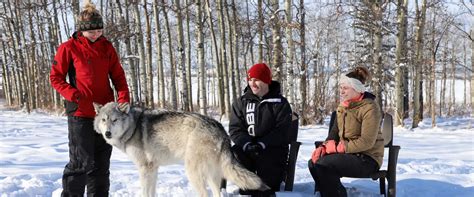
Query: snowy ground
<point x="432" y="162"/>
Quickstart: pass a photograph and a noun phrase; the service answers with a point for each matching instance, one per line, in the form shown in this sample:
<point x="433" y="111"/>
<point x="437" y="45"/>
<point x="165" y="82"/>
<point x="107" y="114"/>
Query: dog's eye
<point x="103" y="119"/>
<point x="114" y="120"/>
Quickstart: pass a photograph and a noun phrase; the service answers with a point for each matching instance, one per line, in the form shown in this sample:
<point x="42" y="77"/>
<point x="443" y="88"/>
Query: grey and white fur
<point x="152" y="138"/>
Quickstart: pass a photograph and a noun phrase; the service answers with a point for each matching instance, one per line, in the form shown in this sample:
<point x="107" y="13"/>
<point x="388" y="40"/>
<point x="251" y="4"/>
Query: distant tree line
<point x="192" y="55"/>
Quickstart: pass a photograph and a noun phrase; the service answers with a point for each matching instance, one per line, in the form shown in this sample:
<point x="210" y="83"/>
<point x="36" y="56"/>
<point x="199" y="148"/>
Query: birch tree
<point x="201" y="61"/>
<point x="401" y="79"/>
<point x="159" y="51"/>
<point x="417" y="74"/>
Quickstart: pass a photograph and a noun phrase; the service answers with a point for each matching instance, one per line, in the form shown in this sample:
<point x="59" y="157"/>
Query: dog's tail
<point x="236" y="173"/>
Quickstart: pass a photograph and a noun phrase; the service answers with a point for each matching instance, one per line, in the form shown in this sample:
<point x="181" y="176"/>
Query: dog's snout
<point x="108" y="134"/>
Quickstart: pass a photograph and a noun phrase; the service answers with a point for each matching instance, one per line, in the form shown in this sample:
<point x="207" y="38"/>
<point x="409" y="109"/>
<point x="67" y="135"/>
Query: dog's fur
<point x="152" y="138"/>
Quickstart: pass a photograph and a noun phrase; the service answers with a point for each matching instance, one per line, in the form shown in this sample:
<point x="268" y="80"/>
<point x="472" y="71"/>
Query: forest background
<point x="192" y="55"/>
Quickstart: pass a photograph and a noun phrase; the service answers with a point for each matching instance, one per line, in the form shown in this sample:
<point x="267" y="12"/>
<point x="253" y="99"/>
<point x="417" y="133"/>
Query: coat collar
<point x="274" y="91"/>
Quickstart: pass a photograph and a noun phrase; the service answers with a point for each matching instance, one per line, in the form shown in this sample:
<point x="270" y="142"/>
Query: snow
<point x="432" y="162"/>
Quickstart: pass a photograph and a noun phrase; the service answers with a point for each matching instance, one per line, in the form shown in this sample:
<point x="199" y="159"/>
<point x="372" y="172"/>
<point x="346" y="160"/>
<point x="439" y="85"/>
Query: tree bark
<point x="143" y="89"/>
<point x="201" y="61"/>
<point x="159" y="50"/>
<point x="260" y="31"/>
<point x="224" y="76"/>
<point x="182" y="58"/>
<point x="401" y="92"/>
<point x="417" y="82"/>
<point x="188" y="59"/>
<point x="303" y="65"/>
<point x="289" y="90"/>
<point x="149" y="53"/>
<point x="276" y="39"/>
<point x="173" y="93"/>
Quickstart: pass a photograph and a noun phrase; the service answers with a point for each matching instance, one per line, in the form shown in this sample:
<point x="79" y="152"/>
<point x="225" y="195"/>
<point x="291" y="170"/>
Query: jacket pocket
<point x="71" y="107"/>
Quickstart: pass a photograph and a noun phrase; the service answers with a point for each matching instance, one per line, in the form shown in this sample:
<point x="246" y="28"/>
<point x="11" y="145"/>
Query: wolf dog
<point x="152" y="138"/>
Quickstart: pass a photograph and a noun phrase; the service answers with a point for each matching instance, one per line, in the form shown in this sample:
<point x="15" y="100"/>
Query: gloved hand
<point x="341" y="147"/>
<point x="318" y="153"/>
<point x="254" y="148"/>
<point x="330" y="147"/>
<point x="123" y="107"/>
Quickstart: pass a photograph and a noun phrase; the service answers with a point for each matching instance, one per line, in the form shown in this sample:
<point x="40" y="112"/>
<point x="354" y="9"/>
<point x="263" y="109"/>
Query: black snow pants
<point x="89" y="160"/>
<point x="329" y="169"/>
<point x="269" y="165"/>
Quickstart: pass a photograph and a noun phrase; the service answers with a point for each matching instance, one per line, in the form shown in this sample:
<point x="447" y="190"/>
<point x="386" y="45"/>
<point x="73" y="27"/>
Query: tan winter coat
<point x="359" y="127"/>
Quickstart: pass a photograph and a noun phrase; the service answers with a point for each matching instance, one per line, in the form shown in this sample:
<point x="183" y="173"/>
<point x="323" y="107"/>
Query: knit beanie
<point x="89" y="18"/>
<point x="261" y="72"/>
<point x="356" y="78"/>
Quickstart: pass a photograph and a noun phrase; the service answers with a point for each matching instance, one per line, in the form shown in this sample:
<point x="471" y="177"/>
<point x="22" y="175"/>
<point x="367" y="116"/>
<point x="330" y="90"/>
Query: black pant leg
<point x="330" y="168"/>
<point x="81" y="155"/>
<point x="98" y="182"/>
<point x="271" y="166"/>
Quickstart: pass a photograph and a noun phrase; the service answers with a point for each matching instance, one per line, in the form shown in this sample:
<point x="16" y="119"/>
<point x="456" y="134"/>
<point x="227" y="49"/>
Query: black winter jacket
<point x="265" y="119"/>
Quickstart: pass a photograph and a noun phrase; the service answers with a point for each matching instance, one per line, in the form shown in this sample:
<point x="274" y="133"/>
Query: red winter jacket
<point x="89" y="65"/>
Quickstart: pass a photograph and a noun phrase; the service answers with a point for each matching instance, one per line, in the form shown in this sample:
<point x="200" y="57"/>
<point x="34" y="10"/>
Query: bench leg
<point x="382" y="186"/>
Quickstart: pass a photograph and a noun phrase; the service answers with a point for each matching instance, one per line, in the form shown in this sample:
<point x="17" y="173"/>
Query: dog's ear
<point x="97" y="107"/>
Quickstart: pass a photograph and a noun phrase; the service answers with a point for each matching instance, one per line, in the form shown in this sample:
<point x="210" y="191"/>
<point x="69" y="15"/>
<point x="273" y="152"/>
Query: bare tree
<point x="222" y="69"/>
<point x="201" y="61"/>
<point x="188" y="58"/>
<point x="290" y="52"/>
<point x="159" y="51"/>
<point x="182" y="57"/>
<point x="401" y="87"/>
<point x="143" y="89"/>
<point x="276" y="39"/>
<point x="417" y="81"/>
<point x="260" y="31"/>
<point x="303" y="65"/>
<point x="173" y="93"/>
<point x="149" y="65"/>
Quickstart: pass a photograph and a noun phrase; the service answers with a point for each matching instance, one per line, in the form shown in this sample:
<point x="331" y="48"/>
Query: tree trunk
<point x="419" y="43"/>
<point x="303" y="65"/>
<point x="6" y="73"/>
<point x="276" y="39"/>
<point x="289" y="90"/>
<point x="149" y="65"/>
<point x="237" y="34"/>
<point x="232" y="44"/>
<point x="173" y="94"/>
<point x="444" y="76"/>
<point x="182" y="57"/>
<point x="141" y="53"/>
<point x="260" y="31"/>
<point x="159" y="50"/>
<point x="224" y="76"/>
<point x="188" y="59"/>
<point x="124" y="19"/>
<point x="432" y="71"/>
<point x="401" y="65"/>
<point x="201" y="61"/>
<point x="220" y="88"/>
<point x="377" y="11"/>
<point x="472" y="72"/>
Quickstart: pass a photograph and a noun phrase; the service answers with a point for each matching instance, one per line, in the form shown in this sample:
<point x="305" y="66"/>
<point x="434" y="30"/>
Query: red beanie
<point x="261" y="72"/>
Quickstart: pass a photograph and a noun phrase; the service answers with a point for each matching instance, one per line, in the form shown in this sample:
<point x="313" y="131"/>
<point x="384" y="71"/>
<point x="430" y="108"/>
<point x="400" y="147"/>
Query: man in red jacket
<point x="89" y="60"/>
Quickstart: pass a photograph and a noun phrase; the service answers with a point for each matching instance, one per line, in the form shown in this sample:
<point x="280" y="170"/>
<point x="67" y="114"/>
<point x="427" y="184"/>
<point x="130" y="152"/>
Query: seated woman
<point x="354" y="146"/>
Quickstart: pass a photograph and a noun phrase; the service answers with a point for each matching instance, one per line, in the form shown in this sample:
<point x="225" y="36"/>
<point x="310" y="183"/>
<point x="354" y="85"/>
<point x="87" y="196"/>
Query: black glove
<point x="254" y="148"/>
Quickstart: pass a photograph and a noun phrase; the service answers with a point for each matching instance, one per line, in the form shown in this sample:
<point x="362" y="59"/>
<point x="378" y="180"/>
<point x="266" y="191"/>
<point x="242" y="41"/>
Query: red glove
<point x="341" y="147"/>
<point x="331" y="147"/>
<point x="318" y="153"/>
